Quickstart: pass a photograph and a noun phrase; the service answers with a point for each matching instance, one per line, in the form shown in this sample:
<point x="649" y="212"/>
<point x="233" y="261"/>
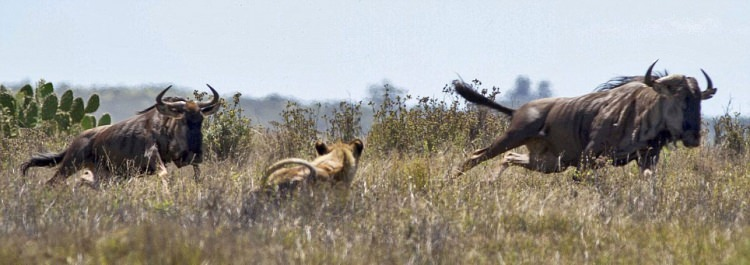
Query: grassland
<point x="401" y="208"/>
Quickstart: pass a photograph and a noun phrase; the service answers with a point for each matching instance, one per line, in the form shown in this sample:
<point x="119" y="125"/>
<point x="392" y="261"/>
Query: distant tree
<point x="543" y="90"/>
<point x="376" y="92"/>
<point x="522" y="92"/>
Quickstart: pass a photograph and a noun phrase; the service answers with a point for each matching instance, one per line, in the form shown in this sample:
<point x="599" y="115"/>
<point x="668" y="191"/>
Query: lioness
<point x="336" y="165"/>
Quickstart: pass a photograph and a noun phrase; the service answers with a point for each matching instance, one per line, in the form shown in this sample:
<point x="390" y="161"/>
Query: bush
<point x="227" y="132"/>
<point x="433" y="124"/>
<point x="344" y="122"/>
<point x="732" y="135"/>
<point x="297" y="131"/>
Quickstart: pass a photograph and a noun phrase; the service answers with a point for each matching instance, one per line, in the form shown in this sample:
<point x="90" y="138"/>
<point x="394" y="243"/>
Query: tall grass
<point x="400" y="210"/>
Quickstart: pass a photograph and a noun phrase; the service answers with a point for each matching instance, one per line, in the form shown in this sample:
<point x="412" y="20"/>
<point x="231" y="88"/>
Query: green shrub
<point x="227" y="132"/>
<point x="432" y="124"/>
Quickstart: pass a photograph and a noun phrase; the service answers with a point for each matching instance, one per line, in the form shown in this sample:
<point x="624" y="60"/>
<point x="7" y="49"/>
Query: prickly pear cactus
<point x="88" y="122"/>
<point x="63" y="121"/>
<point x="66" y="100"/>
<point x="42" y="108"/>
<point x="93" y="104"/>
<point x="76" y="110"/>
<point x="49" y="107"/>
<point x="7" y="104"/>
<point x="105" y="119"/>
<point x="44" y="90"/>
<point x="31" y="115"/>
<point x="24" y="96"/>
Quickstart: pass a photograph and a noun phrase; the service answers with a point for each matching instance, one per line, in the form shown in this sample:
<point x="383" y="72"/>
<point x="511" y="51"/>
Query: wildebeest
<point x="168" y="131"/>
<point x="625" y="120"/>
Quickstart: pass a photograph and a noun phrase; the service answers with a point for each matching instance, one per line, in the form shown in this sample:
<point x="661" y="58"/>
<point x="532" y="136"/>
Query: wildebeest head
<point x="189" y="114"/>
<point x="682" y="108"/>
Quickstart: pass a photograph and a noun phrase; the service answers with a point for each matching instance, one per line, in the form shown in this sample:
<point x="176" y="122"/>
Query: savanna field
<point x="401" y="209"/>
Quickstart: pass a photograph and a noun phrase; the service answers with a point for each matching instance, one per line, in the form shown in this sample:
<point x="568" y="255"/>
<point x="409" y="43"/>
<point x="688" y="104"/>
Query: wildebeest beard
<point x="194" y="154"/>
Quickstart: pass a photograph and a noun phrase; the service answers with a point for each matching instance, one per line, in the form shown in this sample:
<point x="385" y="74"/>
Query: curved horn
<point x="647" y="78"/>
<point x="168" y="108"/>
<point x="710" y="90"/>
<point x="160" y="101"/>
<point x="214" y="101"/>
<point x="158" y="97"/>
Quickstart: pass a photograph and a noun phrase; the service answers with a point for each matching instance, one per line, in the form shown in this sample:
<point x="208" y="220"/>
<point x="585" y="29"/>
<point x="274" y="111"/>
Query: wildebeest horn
<point x="158" y="97"/>
<point x="214" y="101"/>
<point x="160" y="102"/>
<point x="710" y="90"/>
<point x="647" y="79"/>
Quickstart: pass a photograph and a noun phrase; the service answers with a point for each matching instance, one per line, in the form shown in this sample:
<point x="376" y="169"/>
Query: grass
<point x="400" y="210"/>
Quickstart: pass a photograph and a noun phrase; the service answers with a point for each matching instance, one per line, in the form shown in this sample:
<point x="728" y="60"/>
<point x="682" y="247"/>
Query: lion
<point x="335" y="165"/>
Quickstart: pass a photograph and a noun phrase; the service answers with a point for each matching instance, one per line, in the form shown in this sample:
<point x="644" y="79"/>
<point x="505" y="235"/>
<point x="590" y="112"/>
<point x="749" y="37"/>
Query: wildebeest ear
<point x="358" y="147"/>
<point x="708" y="93"/>
<point x="710" y="89"/>
<point x="321" y="148"/>
<point x="166" y="110"/>
<point x="661" y="89"/>
<point x="210" y="109"/>
<point x="668" y="85"/>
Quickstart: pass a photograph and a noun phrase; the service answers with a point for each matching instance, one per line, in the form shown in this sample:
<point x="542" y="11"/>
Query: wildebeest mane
<point x="622" y="80"/>
<point x="165" y="99"/>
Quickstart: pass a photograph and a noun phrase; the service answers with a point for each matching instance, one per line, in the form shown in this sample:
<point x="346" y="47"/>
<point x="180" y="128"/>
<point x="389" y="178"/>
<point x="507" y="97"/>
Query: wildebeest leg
<point x="68" y="166"/>
<point x="155" y="163"/>
<point x="196" y="173"/>
<point x="545" y="163"/>
<point x="647" y="163"/>
<point x="62" y="174"/>
<point x="510" y="159"/>
<point x="508" y="141"/>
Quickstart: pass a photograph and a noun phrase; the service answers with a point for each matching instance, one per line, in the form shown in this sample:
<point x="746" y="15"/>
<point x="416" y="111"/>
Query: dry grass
<point x="400" y="211"/>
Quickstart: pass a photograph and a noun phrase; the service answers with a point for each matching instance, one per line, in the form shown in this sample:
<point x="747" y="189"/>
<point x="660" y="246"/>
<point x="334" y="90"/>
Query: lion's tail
<point x="282" y="163"/>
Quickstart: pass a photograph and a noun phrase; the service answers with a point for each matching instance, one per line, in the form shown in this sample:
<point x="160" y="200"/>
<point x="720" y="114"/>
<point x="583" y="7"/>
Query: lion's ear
<point x="358" y="147"/>
<point x="321" y="148"/>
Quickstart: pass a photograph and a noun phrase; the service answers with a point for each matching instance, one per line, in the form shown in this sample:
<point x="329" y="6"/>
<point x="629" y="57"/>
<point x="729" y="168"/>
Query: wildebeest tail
<point x="472" y="96"/>
<point x="42" y="160"/>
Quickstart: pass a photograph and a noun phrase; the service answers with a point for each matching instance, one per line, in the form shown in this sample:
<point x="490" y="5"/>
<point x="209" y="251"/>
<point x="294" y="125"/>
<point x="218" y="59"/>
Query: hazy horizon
<point x="338" y="49"/>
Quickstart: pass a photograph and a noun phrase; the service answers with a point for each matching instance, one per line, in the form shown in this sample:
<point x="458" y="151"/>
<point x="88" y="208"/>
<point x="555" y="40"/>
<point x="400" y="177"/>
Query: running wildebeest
<point x="168" y="131"/>
<point x="629" y="118"/>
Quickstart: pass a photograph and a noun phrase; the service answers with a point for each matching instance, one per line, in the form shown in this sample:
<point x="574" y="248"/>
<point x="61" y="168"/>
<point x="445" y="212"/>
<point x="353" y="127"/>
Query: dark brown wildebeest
<point x="168" y="131"/>
<point x="631" y="119"/>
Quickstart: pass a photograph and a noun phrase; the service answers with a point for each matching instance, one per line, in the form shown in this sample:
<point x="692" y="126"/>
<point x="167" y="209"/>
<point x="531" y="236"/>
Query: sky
<point x="321" y="50"/>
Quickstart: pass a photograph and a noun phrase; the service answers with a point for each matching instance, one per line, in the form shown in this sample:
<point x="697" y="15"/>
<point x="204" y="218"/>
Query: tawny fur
<point x="335" y="165"/>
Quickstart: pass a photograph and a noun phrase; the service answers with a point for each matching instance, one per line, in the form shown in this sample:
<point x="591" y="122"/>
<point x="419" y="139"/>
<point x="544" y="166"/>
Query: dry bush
<point x="731" y="134"/>
<point x="432" y="124"/>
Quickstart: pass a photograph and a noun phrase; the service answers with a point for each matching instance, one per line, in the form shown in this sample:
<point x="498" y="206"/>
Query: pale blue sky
<point x="336" y="49"/>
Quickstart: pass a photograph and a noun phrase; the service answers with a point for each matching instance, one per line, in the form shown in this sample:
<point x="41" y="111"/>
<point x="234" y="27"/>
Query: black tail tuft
<point x="42" y="160"/>
<point x="472" y="96"/>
